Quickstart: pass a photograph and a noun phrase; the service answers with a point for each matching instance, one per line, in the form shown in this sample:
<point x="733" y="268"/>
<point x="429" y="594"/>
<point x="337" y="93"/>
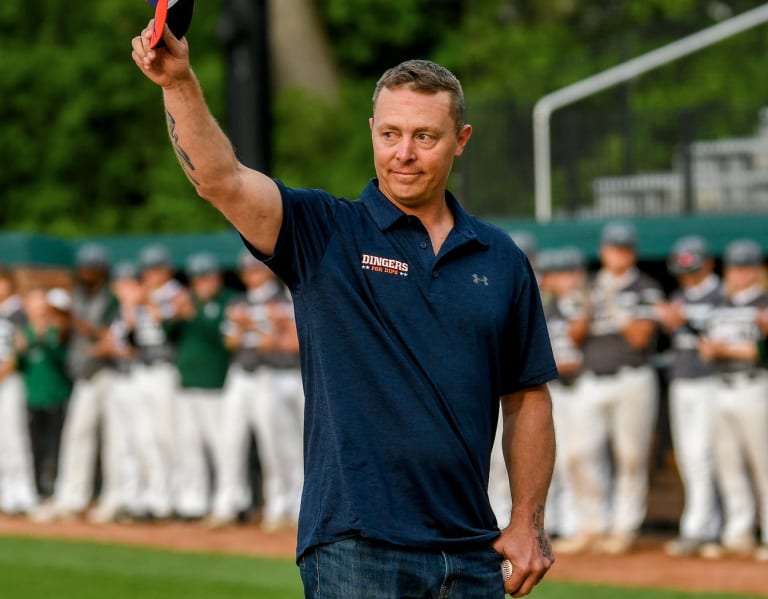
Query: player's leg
<point x="232" y="493"/>
<point x="79" y="442"/>
<point x="192" y="496"/>
<point x="632" y="426"/>
<point x="753" y="422"/>
<point x="732" y="474"/>
<point x="691" y="404"/>
<point x="287" y="426"/>
<point x="263" y="414"/>
<point x="17" y="481"/>
<point x="586" y="461"/>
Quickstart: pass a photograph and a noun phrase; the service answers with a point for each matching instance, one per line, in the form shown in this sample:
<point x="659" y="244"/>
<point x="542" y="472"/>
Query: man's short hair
<point x="426" y="77"/>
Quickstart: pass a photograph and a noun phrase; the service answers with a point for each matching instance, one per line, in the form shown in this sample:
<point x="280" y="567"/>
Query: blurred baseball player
<point x="563" y="281"/>
<point x="617" y="399"/>
<point x="263" y="394"/>
<point x="92" y="308"/>
<point x="735" y="345"/>
<point x="122" y="483"/>
<point x="691" y="400"/>
<point x="17" y="483"/>
<point x="202" y="361"/>
<point x="155" y="378"/>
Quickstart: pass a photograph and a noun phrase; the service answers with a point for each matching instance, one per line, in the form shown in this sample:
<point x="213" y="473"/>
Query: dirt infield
<point x="645" y="566"/>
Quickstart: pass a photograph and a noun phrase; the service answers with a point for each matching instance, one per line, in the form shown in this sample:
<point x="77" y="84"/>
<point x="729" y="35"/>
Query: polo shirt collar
<point x="385" y="214"/>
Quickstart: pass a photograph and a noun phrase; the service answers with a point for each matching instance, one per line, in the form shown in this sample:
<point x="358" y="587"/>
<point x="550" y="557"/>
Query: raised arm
<point x="248" y="199"/>
<point x="528" y="442"/>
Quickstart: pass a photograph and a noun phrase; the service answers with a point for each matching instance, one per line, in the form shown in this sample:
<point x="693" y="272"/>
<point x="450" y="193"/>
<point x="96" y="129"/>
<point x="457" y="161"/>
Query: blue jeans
<point x="365" y="569"/>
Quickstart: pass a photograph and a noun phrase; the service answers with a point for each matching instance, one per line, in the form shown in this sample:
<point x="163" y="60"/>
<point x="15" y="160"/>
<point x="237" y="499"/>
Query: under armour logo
<point x="477" y="279"/>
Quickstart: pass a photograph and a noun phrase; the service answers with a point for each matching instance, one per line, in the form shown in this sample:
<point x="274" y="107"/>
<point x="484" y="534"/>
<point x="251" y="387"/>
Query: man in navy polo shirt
<point x="416" y="322"/>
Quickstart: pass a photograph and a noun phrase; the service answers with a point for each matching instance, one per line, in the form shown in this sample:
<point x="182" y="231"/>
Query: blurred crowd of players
<point x="617" y="335"/>
<point x="134" y="396"/>
<point x="167" y="383"/>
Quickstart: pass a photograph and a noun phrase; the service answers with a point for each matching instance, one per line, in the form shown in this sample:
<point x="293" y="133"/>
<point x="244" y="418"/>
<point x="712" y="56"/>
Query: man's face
<point x="155" y="277"/>
<point x="207" y="285"/>
<point x="617" y="259"/>
<point x="414" y="145"/>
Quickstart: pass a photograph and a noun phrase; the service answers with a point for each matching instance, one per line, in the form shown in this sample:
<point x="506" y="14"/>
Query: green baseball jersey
<point x="201" y="356"/>
<point x="43" y="366"/>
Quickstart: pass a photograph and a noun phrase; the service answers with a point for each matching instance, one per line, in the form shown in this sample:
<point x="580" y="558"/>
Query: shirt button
<point x="435" y="274"/>
<point x="423" y="245"/>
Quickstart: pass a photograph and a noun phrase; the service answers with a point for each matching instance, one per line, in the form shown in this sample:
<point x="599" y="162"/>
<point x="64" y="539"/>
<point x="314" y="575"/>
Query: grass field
<point x="33" y="568"/>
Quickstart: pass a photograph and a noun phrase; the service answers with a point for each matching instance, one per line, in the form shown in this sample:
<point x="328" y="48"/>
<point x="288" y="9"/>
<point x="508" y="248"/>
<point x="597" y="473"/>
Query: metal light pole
<point x="243" y="31"/>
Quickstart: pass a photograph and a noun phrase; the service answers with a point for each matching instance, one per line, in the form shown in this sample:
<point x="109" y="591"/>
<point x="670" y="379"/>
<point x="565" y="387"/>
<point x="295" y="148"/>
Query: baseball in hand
<point x="506" y="569"/>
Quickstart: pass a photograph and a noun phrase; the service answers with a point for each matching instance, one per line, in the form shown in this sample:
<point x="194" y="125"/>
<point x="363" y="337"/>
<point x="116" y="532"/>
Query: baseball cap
<point x="92" y="255"/>
<point x="619" y="234"/>
<point x="59" y="298"/>
<point x="525" y="241"/>
<point x="247" y="260"/>
<point x="154" y="256"/>
<point x="201" y="263"/>
<point x="743" y="252"/>
<point x="688" y="255"/>
<point x="124" y="270"/>
<point x="177" y="14"/>
<point x="562" y="259"/>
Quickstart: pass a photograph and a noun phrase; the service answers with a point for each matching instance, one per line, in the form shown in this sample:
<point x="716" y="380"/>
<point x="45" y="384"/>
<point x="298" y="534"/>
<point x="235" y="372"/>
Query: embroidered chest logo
<point x="477" y="280"/>
<point x="388" y="266"/>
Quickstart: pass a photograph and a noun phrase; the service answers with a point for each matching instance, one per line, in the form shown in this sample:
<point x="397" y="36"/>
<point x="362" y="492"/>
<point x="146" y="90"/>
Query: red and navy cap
<point x="177" y="14"/>
<point x="688" y="255"/>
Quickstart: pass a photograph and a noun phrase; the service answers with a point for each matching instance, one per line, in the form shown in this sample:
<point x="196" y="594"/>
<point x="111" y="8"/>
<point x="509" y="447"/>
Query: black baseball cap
<point x="177" y="14"/>
<point x="688" y="255"/>
<point x="743" y="252"/>
<point x="620" y="234"/>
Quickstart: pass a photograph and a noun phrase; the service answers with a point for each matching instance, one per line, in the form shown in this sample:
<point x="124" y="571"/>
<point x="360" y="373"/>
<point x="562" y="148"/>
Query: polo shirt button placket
<point x="423" y="245"/>
<point x="435" y="274"/>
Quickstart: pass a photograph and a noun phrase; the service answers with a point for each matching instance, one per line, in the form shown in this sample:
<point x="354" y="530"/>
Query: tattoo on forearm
<point x="541" y="533"/>
<point x="186" y="161"/>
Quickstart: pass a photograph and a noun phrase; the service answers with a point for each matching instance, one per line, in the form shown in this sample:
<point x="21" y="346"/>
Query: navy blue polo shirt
<point x="404" y="356"/>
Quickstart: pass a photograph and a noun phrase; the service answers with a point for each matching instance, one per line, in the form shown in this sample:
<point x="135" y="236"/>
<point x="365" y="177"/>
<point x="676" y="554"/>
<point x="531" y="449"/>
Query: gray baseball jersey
<point x="697" y="303"/>
<point x="559" y="313"/>
<point x="149" y="336"/>
<point x="734" y="320"/>
<point x="614" y="303"/>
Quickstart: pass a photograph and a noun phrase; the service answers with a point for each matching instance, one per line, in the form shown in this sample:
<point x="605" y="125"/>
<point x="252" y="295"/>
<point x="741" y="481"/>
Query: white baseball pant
<point x="562" y="517"/>
<point x="17" y="481"/>
<point x="79" y="442"/>
<point x="199" y="431"/>
<point x="121" y="482"/>
<point x="691" y="410"/>
<point x="741" y="448"/>
<point x="616" y="412"/>
<point x="155" y="393"/>
<point x="233" y="493"/>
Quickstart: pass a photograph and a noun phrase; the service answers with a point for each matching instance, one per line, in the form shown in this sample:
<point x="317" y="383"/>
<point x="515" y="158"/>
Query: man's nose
<point x="405" y="149"/>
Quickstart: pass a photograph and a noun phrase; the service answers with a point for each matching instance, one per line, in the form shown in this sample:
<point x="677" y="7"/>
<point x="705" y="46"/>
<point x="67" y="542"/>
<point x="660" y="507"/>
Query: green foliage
<point x="370" y="36"/>
<point x="84" y="147"/>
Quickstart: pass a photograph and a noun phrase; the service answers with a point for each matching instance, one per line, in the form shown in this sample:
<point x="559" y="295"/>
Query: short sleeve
<point x="528" y="351"/>
<point x="308" y="220"/>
